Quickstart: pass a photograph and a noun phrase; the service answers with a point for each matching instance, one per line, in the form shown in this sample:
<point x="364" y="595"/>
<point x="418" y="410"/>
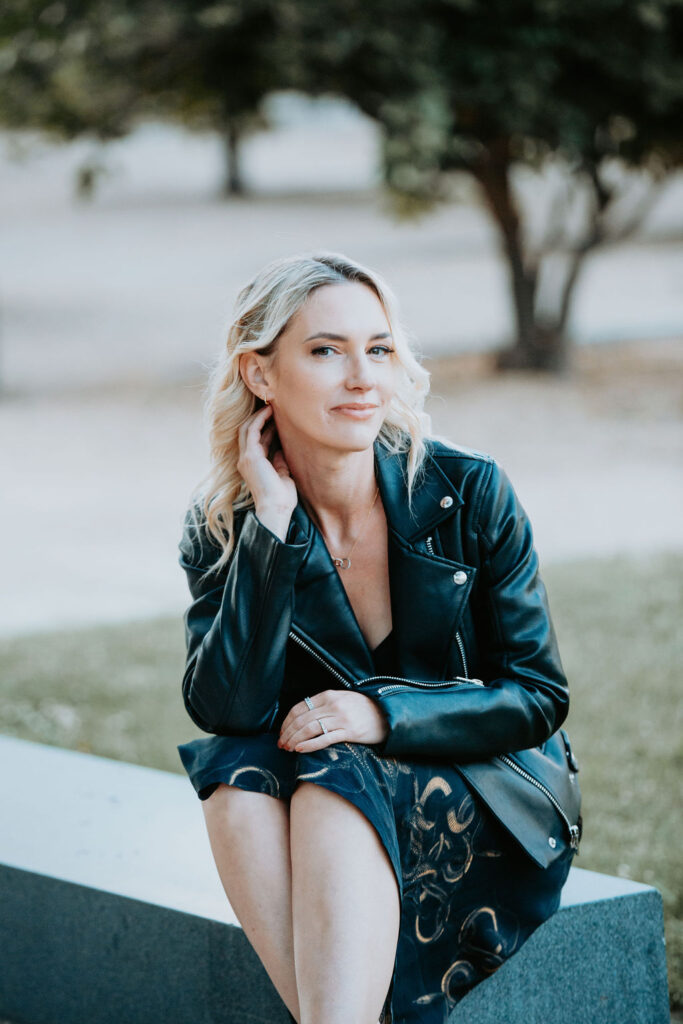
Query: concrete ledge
<point x="111" y="911"/>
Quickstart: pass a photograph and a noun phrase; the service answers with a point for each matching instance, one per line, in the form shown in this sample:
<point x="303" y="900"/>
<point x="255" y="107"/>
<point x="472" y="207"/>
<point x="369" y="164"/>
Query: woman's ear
<point x="251" y="372"/>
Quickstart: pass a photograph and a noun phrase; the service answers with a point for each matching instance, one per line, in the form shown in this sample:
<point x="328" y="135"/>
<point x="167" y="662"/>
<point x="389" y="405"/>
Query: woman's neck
<point x="337" y="489"/>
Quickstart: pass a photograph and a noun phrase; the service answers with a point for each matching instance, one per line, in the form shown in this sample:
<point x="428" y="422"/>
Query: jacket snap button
<point x="446" y="501"/>
<point x="460" y="577"/>
<point x="552" y="841"/>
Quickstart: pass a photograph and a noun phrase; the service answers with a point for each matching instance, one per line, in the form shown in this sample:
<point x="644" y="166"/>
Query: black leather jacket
<point x="468" y="606"/>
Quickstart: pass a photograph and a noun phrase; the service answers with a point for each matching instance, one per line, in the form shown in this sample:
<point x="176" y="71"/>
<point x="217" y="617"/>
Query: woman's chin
<point x="356" y="437"/>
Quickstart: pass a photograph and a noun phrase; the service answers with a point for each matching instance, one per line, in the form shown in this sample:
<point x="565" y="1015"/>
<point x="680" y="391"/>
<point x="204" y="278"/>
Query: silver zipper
<point x="302" y="643"/>
<point x="458" y="638"/>
<point x="462" y="653"/>
<point x="369" y="679"/>
<point x="401" y="685"/>
<point x="455" y="681"/>
<point x="572" y="829"/>
<point x="398" y="686"/>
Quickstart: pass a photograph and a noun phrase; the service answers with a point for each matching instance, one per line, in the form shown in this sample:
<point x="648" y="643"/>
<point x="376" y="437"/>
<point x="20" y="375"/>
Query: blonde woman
<point x="367" y="631"/>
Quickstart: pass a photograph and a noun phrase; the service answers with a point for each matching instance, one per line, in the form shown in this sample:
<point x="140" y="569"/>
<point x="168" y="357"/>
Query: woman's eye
<point x="323" y="349"/>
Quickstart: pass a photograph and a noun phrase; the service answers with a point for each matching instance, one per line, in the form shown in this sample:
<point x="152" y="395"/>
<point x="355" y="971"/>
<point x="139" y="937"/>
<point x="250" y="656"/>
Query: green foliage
<point x="54" y="61"/>
<point x="115" y="691"/>
<point x="585" y="80"/>
<point x="94" y="68"/>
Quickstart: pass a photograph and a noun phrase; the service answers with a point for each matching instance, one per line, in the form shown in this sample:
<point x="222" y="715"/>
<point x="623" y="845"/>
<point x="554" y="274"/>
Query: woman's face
<point x="336" y="354"/>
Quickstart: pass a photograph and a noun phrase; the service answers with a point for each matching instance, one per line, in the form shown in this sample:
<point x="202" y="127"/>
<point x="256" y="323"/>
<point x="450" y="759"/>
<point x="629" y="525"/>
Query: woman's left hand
<point x="347" y="716"/>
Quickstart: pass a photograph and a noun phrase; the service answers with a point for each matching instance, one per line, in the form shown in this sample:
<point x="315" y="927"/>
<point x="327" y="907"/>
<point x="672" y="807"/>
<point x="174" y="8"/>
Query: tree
<point x="475" y="86"/>
<point x="210" y="65"/>
<point x="483" y="86"/>
<point x="52" y="62"/>
<point x="93" y="69"/>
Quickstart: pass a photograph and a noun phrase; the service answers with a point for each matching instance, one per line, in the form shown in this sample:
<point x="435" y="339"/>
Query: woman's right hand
<point x="270" y="483"/>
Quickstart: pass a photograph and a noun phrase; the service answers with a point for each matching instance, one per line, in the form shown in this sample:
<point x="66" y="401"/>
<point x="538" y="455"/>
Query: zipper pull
<point x="468" y="679"/>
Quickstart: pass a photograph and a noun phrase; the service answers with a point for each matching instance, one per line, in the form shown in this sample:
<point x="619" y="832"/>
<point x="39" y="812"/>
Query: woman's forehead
<point x="350" y="307"/>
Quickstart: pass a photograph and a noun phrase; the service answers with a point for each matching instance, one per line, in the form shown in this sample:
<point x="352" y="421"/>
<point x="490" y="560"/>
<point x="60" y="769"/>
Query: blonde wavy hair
<point x="263" y="309"/>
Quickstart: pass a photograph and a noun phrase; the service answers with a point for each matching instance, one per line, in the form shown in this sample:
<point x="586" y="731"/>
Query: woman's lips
<point x="356" y="413"/>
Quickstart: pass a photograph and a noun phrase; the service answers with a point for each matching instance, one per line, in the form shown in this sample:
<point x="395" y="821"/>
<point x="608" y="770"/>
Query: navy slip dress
<point x="470" y="896"/>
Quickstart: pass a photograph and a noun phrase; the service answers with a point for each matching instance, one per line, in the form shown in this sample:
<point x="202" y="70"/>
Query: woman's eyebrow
<point x="340" y="337"/>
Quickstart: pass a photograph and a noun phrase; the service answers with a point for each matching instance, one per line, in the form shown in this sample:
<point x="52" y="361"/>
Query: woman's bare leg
<point x="249" y="836"/>
<point x="346" y="911"/>
<point x="250" y="839"/>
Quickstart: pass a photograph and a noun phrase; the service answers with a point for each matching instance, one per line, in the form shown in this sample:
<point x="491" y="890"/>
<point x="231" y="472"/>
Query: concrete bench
<point x="111" y="912"/>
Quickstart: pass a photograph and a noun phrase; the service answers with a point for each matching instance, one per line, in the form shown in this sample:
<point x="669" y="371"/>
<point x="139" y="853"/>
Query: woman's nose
<point x="360" y="373"/>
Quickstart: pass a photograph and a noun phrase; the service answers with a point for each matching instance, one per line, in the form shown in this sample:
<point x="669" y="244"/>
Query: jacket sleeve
<point x="525" y="696"/>
<point x="237" y="625"/>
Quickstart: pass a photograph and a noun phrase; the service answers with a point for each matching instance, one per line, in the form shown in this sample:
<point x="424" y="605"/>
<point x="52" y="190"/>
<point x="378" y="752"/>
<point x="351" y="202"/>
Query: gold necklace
<point x="345" y="562"/>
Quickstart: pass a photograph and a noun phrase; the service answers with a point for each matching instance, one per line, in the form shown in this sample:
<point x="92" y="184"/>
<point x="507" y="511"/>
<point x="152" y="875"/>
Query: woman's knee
<point x="230" y="807"/>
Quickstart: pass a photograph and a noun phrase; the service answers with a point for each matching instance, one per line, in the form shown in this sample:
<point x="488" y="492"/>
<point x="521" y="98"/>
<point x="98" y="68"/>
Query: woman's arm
<point x="525" y="698"/>
<point x="237" y="625"/>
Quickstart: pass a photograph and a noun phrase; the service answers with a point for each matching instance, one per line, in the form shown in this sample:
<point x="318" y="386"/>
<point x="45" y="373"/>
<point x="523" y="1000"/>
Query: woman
<point x="368" y="632"/>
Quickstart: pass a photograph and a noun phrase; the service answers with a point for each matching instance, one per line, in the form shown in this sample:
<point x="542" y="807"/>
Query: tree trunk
<point x="233" y="184"/>
<point x="536" y="347"/>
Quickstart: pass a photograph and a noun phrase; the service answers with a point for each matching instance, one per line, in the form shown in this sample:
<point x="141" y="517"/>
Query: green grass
<point x="115" y="691"/>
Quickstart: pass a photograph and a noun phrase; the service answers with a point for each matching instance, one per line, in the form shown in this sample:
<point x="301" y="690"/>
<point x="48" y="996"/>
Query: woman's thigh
<point x="240" y="819"/>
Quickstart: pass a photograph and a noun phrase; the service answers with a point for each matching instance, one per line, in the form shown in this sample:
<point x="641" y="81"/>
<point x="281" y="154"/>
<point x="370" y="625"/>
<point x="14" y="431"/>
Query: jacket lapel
<point x="426" y="601"/>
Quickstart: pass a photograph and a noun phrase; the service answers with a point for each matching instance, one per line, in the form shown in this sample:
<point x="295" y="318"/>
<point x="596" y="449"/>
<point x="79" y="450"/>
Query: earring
<point x="266" y="399"/>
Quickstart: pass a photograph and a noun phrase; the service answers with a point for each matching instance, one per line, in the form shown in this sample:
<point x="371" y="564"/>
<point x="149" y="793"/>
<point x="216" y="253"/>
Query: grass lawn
<point x="115" y="691"/>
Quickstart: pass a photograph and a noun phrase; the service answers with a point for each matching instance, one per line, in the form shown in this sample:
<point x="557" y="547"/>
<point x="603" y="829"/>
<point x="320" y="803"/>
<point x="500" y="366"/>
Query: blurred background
<point x="514" y="170"/>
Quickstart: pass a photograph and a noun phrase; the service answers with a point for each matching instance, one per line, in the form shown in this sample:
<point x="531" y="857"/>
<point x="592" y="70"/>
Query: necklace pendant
<point x="342" y="563"/>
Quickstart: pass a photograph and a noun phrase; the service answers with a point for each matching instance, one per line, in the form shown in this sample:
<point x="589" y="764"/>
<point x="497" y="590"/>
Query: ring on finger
<point x="309" y="703"/>
<point x="322" y="726"/>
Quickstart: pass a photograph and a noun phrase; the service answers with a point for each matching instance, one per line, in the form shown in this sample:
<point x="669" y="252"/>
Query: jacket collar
<point x="434" y="496"/>
<point x="425" y="602"/>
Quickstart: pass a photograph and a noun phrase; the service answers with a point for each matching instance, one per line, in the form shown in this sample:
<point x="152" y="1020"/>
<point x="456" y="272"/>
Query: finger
<point x="305" y="726"/>
<point x="260" y="416"/>
<point x="324" y="704"/>
<point x="313" y="729"/>
<point x="319" y="742"/>
<point x="298" y="723"/>
<point x="266" y="437"/>
<point x="254" y="423"/>
<point x="302" y="710"/>
<point x="280" y="463"/>
<point x="296" y="711"/>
